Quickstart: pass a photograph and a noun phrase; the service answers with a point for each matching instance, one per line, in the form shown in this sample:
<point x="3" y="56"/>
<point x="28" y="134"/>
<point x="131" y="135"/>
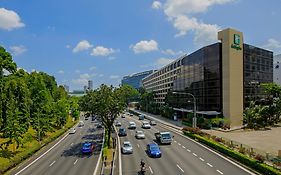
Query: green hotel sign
<point x="236" y="42"/>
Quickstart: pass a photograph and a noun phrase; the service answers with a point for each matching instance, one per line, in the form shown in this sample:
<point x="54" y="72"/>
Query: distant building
<point x="90" y="85"/>
<point x="66" y="88"/>
<point x="85" y="89"/>
<point x="77" y="93"/>
<point x="277" y="69"/>
<point x="135" y="80"/>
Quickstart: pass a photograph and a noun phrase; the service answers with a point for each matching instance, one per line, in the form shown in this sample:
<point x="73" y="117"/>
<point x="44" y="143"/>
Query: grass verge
<point x="9" y="159"/>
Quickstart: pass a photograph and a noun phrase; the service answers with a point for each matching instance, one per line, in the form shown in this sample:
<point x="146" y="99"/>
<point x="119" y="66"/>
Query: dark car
<point x="99" y="125"/>
<point x="87" y="147"/>
<point x="153" y="150"/>
<point x="122" y="132"/>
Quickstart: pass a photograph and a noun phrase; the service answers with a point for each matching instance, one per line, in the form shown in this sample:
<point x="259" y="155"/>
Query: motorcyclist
<point x="142" y="164"/>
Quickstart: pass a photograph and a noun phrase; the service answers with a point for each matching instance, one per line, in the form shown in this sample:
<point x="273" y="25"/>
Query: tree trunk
<point x="108" y="137"/>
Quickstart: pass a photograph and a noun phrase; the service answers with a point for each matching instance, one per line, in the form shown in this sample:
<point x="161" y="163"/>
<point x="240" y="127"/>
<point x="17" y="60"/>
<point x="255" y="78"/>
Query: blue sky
<point x="102" y="40"/>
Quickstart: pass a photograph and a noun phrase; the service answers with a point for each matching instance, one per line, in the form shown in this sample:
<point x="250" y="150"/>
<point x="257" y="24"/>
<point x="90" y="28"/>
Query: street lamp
<point x="194" y="120"/>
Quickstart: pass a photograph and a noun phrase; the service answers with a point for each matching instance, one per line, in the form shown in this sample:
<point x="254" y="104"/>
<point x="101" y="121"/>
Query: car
<point x="122" y="116"/>
<point x="86" y="118"/>
<point x="87" y="147"/>
<point x="152" y="122"/>
<point x="72" y="131"/>
<point x="122" y="132"/>
<point x="153" y="150"/>
<point x="132" y="125"/>
<point x="81" y="123"/>
<point x="140" y="135"/>
<point x="127" y="148"/>
<point x="145" y="125"/>
<point x="141" y="117"/>
<point x="131" y="114"/>
<point x="117" y="123"/>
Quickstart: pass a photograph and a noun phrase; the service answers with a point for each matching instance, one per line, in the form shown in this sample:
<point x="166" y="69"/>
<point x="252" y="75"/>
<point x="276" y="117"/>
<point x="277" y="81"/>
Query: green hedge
<point x="252" y="163"/>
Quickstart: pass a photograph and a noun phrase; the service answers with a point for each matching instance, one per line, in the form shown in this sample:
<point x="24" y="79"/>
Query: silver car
<point x="140" y="135"/>
<point x="72" y="131"/>
<point x="146" y="125"/>
<point x="127" y="148"/>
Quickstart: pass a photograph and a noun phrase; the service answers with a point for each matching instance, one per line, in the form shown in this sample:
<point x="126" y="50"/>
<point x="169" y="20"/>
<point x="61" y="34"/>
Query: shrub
<point x="260" y="158"/>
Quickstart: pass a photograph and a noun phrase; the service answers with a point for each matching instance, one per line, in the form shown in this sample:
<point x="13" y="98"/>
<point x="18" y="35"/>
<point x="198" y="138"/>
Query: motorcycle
<point x="142" y="170"/>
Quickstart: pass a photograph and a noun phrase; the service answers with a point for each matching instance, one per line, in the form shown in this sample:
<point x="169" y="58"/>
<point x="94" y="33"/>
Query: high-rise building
<point x="85" y="89"/>
<point x="134" y="80"/>
<point x="223" y="77"/>
<point x="90" y="85"/>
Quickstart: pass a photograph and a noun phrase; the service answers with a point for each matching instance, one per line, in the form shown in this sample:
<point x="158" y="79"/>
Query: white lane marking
<point x="41" y="155"/>
<point x="219" y="171"/>
<point x="52" y="163"/>
<point x="188" y="150"/>
<point x="183" y="147"/>
<point x="210" y="164"/>
<point x="175" y="141"/>
<point x="180" y="168"/>
<point x="194" y="154"/>
<point x="138" y="145"/>
<point x="71" y="144"/>
<point x="75" y="161"/>
<point x="179" y="144"/>
<point x="166" y="126"/>
<point x="201" y="159"/>
<point x="150" y="170"/>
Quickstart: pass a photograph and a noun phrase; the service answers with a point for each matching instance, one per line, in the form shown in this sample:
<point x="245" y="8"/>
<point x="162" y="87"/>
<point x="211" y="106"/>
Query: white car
<point x="145" y="125"/>
<point x="117" y="123"/>
<point x="127" y="148"/>
<point x="81" y="123"/>
<point x="140" y="135"/>
<point x="72" y="131"/>
<point x="132" y="125"/>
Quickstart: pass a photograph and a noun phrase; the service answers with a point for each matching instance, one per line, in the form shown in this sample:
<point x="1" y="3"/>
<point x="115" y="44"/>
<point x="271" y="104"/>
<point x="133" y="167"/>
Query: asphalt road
<point x="66" y="157"/>
<point x="182" y="157"/>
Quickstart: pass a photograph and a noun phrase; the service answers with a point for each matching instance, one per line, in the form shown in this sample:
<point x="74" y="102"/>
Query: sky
<point x="103" y="40"/>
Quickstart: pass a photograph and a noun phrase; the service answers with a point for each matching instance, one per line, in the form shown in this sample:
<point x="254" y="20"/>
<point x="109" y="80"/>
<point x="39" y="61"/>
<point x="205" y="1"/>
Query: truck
<point x="163" y="137"/>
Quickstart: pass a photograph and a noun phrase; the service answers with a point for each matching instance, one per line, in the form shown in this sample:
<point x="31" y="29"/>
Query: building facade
<point x="223" y="77"/>
<point x="90" y="85"/>
<point x="277" y="69"/>
<point x="135" y="80"/>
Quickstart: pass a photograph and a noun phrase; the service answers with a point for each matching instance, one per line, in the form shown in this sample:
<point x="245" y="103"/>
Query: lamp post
<point x="194" y="120"/>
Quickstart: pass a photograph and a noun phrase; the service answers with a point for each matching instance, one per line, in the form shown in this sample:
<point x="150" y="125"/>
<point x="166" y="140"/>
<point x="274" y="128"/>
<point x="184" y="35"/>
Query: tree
<point x="16" y="111"/>
<point x="6" y="63"/>
<point x="272" y="89"/>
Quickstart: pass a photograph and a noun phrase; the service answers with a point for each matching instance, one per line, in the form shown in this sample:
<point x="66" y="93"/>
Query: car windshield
<point x="139" y="132"/>
<point x="166" y="136"/>
<point x="127" y="145"/>
<point x="154" y="148"/>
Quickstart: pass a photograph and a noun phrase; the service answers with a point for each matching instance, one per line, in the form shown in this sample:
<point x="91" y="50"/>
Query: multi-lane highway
<point x="183" y="156"/>
<point x="66" y="157"/>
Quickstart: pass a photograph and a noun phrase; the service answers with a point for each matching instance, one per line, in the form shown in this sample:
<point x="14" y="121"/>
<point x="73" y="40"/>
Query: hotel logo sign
<point x="236" y="42"/>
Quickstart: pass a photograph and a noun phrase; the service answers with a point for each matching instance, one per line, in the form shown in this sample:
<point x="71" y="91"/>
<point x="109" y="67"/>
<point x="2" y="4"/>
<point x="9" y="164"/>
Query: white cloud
<point x="81" y="46"/>
<point x="77" y="71"/>
<point x="156" y="5"/>
<point x="160" y="62"/>
<point x="92" y="68"/>
<point x="9" y="19"/>
<point x="82" y="80"/>
<point x="171" y="52"/>
<point x="111" y="58"/>
<point x="61" y="72"/>
<point x="273" y="44"/>
<point x="114" y="76"/>
<point x="67" y="46"/>
<point x="18" y="50"/>
<point x="101" y="75"/>
<point x="102" y="51"/>
<point x="179" y="14"/>
<point x="145" y="46"/>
